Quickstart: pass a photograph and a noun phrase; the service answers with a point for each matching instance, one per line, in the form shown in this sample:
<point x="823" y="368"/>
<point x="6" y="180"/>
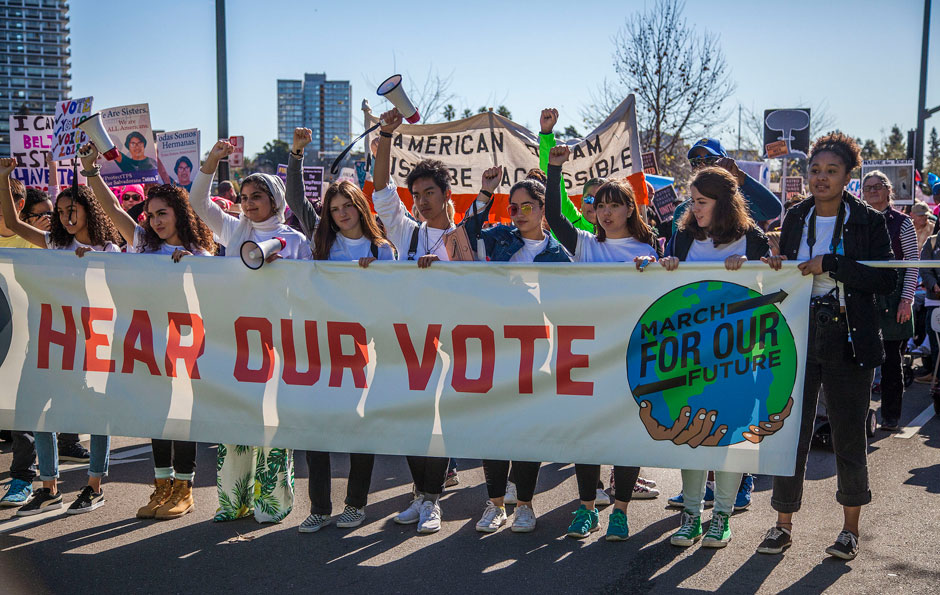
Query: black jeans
<point x="319" y="486"/>
<point x="848" y="397"/>
<point x="428" y="473"/>
<point x="525" y="474"/>
<point x="179" y="454"/>
<point x="589" y="475"/>
<point x="24" y="456"/>
<point x="892" y="381"/>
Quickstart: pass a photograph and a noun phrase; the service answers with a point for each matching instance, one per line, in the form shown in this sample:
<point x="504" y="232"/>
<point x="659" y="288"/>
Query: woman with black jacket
<point x="829" y="233"/>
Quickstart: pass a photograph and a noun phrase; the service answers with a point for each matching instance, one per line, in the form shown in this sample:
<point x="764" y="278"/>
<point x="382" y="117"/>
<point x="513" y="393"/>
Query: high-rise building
<point x="34" y="59"/>
<point x="318" y="104"/>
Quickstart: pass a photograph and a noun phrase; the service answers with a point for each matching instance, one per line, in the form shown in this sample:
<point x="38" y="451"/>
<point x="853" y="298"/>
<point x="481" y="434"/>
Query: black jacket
<point x="865" y="237"/>
<point x="756" y="245"/>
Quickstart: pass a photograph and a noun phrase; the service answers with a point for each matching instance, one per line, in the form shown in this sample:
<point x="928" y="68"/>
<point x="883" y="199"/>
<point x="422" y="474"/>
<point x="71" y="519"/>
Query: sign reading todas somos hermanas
<point x="130" y="131"/>
<point x="178" y="154"/>
<point x="310" y="356"/>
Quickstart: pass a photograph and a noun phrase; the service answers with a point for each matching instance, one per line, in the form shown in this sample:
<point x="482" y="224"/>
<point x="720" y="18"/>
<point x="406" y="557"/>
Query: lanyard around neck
<point x="836" y="232"/>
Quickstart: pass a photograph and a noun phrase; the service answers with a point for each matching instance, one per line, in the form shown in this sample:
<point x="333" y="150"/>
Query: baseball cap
<point x="712" y="145"/>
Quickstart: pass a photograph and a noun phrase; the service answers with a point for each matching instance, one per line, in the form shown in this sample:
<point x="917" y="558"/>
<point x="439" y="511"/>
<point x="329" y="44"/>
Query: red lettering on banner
<point x="188" y="353"/>
<point x="527" y="334"/>
<point x="567" y="361"/>
<point x="356" y="362"/>
<point x="139" y="328"/>
<point x="460" y="335"/>
<point x="262" y="326"/>
<point x="47" y="336"/>
<point x="419" y="373"/>
<point x="95" y="340"/>
<point x="290" y="374"/>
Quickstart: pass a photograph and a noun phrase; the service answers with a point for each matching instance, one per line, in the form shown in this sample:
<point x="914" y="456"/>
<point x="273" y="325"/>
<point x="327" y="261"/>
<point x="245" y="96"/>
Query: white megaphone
<point x="392" y="90"/>
<point x="255" y="254"/>
<point x="93" y="128"/>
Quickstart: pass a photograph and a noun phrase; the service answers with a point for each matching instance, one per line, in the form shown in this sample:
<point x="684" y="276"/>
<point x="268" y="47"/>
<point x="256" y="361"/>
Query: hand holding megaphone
<point x="94" y="129"/>
<point x="255" y="254"/>
<point x="88" y="154"/>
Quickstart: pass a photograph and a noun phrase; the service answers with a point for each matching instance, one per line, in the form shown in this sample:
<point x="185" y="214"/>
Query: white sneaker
<point x="493" y="518"/>
<point x="644" y="492"/>
<point x="410" y="515"/>
<point x="601" y="499"/>
<point x="510" y="497"/>
<point x="650" y="483"/>
<point x="523" y="519"/>
<point x="430" y="517"/>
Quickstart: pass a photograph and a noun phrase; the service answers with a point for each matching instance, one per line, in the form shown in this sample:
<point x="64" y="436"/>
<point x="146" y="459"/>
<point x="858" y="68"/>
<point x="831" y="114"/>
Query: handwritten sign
<point x="67" y="137"/>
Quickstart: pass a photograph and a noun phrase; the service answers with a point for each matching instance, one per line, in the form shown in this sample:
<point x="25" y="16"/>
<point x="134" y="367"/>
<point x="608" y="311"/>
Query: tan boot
<point x="161" y="493"/>
<point x="179" y="503"/>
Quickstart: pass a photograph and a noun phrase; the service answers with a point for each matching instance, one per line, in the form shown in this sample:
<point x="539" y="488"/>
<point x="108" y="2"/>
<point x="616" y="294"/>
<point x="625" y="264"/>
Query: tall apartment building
<point x="318" y="104"/>
<point x="34" y="59"/>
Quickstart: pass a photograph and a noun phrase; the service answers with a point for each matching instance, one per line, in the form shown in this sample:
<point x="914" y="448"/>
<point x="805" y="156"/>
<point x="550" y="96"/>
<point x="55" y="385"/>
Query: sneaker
<point x="87" y="501"/>
<point x="74" y="452"/>
<point x="689" y="531"/>
<point x="601" y="498"/>
<point x="19" y="493"/>
<point x="775" y="541"/>
<point x="410" y="515"/>
<point x="314" y="523"/>
<point x="719" y="531"/>
<point x="644" y="492"/>
<point x="618" y="529"/>
<point x="585" y="522"/>
<point x="650" y="483"/>
<point x="493" y="518"/>
<point x="890" y="425"/>
<point x="510" y="497"/>
<point x="351" y="517"/>
<point x="523" y="519"/>
<point x="845" y="547"/>
<point x="429" y="520"/>
<point x="43" y="501"/>
<point x="677" y="501"/>
<point x="743" y="499"/>
<point x="451" y="480"/>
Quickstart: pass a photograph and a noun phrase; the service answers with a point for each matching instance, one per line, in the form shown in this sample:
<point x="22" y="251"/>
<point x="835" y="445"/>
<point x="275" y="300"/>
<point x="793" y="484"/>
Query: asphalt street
<point x="110" y="551"/>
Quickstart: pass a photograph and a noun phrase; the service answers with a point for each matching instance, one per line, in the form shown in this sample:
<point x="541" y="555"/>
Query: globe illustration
<point x="717" y="346"/>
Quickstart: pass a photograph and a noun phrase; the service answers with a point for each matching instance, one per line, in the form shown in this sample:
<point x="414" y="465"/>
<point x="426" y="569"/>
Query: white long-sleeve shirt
<point x="400" y="227"/>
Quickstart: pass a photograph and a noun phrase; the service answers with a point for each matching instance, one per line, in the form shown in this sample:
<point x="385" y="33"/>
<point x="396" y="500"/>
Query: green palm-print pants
<point x="254" y="479"/>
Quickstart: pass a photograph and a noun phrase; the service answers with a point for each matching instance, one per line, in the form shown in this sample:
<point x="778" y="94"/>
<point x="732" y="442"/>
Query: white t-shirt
<point x="610" y="250"/>
<point x="165" y="248"/>
<point x="346" y="249"/>
<point x="530" y="249"/>
<point x="705" y="250"/>
<point x="108" y="246"/>
<point x="400" y="227"/>
<point x="822" y="284"/>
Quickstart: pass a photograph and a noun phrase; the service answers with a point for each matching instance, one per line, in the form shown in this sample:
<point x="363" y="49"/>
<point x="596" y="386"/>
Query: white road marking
<point x="916" y="424"/>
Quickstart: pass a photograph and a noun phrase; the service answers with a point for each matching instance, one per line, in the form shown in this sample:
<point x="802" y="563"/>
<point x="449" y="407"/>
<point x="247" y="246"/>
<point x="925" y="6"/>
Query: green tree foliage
<point x="274" y="152"/>
<point x="449" y="112"/>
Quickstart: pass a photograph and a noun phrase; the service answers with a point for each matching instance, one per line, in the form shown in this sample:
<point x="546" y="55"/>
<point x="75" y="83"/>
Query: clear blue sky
<point x="860" y="58"/>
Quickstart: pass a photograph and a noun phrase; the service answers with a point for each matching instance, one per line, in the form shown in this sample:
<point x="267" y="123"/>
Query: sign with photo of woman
<point x="130" y="131"/>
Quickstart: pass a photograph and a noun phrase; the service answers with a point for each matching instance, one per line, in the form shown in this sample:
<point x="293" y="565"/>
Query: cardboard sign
<point x="130" y="131"/>
<point x="649" y="163"/>
<point x="776" y="149"/>
<point x="237" y="158"/>
<point x="792" y="186"/>
<point x="790" y="126"/>
<point x="313" y="183"/>
<point x="67" y="137"/>
<point x="901" y="174"/>
<point x="665" y="201"/>
<point x="31" y="138"/>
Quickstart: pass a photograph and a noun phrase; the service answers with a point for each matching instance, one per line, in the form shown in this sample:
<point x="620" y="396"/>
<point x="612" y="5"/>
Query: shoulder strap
<point x="933" y="243"/>
<point x="375" y="251"/>
<point x="414" y="244"/>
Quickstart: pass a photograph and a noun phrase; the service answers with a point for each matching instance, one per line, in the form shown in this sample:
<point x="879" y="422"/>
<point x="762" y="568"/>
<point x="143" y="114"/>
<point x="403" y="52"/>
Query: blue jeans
<point x="47" y="451"/>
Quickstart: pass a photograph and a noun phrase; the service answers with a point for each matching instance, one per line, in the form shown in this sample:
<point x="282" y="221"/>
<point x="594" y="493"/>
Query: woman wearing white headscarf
<point x="250" y="479"/>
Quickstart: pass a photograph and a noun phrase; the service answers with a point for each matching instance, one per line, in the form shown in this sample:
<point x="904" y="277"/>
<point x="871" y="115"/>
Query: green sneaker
<point x="617" y="527"/>
<point x="689" y="532"/>
<point x="719" y="531"/>
<point x="584" y="523"/>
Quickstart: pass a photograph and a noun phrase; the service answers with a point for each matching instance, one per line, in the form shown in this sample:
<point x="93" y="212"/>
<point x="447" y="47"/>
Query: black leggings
<point x="428" y="473"/>
<point x="178" y="454"/>
<point x="319" y="486"/>
<point x="892" y="381"/>
<point x="525" y="475"/>
<point x="589" y="475"/>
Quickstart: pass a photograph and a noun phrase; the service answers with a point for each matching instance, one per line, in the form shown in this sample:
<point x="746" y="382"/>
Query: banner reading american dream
<point x="594" y="363"/>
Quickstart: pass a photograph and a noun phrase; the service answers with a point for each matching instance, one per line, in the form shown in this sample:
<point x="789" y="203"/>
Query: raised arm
<point x="296" y="197"/>
<point x="547" y="121"/>
<point x="383" y="156"/>
<point x="562" y="228"/>
<point x="200" y="199"/>
<point x="26" y="231"/>
<point x="124" y="222"/>
<point x="53" y="176"/>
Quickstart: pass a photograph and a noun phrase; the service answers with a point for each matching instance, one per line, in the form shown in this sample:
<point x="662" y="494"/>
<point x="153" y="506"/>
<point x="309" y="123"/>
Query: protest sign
<point x="281" y="172"/>
<point x="665" y="201"/>
<point x="790" y="127"/>
<point x="130" y="131"/>
<point x="347" y="174"/>
<point x="792" y="186"/>
<point x="649" y="163"/>
<point x="471" y="145"/>
<point x="237" y="158"/>
<point x="901" y="174"/>
<point x="361" y="171"/>
<point x="31" y="138"/>
<point x="855" y="187"/>
<point x="178" y="157"/>
<point x="313" y="183"/>
<point x="67" y="137"/>
<point x="476" y="342"/>
<point x="776" y="149"/>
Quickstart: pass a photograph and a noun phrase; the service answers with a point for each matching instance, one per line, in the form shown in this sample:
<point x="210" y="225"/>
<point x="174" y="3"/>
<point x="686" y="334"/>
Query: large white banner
<point x="594" y="363"/>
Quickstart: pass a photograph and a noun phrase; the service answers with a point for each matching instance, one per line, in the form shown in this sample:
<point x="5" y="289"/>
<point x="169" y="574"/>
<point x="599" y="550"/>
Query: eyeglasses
<point x="588" y="200"/>
<point x="706" y="160"/>
<point x="873" y="187"/>
<point x="516" y="209"/>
